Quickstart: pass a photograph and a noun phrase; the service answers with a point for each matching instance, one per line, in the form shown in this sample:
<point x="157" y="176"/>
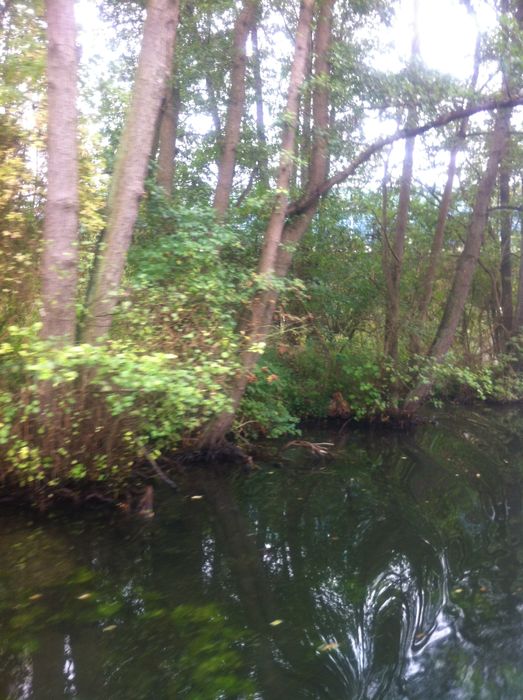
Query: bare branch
<point x="310" y="199"/>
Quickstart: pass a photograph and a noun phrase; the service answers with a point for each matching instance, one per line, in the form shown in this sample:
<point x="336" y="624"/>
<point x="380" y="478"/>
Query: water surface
<point x="392" y="569"/>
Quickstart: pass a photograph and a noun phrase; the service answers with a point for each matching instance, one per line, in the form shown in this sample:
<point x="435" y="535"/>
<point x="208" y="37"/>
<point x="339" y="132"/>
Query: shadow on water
<point x="393" y="569"/>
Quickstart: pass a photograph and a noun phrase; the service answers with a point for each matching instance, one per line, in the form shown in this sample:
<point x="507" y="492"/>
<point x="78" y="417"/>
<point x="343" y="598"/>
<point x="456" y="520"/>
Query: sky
<point x="447" y="36"/>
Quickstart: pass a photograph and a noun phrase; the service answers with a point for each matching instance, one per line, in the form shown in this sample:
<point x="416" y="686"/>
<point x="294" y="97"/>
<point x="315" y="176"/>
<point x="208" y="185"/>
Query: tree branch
<point x="310" y="198"/>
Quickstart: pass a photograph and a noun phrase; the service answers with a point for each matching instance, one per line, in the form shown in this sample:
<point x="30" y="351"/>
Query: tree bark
<point x="394" y="261"/>
<point x="263" y="160"/>
<point x="167" y="138"/>
<point x="154" y="65"/>
<point x="255" y="329"/>
<point x="505" y="231"/>
<point x="235" y="109"/>
<point x="59" y="263"/>
<point x="468" y="259"/>
<point x="518" y="321"/>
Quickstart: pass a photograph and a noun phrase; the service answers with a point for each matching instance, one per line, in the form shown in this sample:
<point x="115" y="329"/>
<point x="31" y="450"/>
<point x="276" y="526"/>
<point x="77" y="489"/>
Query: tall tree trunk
<point x="213" y="108"/>
<point x="263" y="159"/>
<point x="444" y="208"/>
<point x="59" y="262"/>
<point x="394" y="257"/>
<point x="306" y="132"/>
<point x="256" y="327"/>
<point x="154" y="66"/>
<point x="469" y="257"/>
<point x="437" y="242"/>
<point x="167" y="138"/>
<point x="505" y="230"/>
<point x="518" y="321"/>
<point x="394" y="261"/>
<point x="235" y="109"/>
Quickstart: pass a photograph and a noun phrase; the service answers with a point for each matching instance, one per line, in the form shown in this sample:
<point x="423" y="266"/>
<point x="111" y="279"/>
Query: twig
<point x="159" y="473"/>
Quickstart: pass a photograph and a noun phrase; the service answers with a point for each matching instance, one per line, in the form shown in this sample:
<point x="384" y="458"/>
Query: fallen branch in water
<point x="159" y="473"/>
<point x="317" y="448"/>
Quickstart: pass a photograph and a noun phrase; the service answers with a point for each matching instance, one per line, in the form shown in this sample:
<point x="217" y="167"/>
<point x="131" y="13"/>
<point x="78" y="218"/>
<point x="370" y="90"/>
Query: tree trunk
<point x="518" y="323"/>
<point x="468" y="259"/>
<point x="256" y="327"/>
<point x="394" y="261"/>
<point x="154" y="66"/>
<point x="59" y="262"/>
<point x="446" y="200"/>
<point x="437" y="244"/>
<point x="167" y="138"/>
<point x="235" y="109"/>
<point x="263" y="160"/>
<point x="505" y="230"/>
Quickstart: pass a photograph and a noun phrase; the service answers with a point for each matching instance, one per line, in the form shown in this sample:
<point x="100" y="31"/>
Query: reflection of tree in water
<point x="396" y="569"/>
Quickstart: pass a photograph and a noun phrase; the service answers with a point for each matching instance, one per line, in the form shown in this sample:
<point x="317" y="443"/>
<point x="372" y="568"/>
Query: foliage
<point x="83" y="415"/>
<point x="264" y="410"/>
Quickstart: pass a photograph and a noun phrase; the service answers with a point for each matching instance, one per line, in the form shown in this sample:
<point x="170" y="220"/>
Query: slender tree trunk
<point x="213" y="108"/>
<point x="437" y="244"/>
<point x="235" y="109"/>
<point x="507" y="310"/>
<point x="469" y="257"/>
<point x="59" y="263"/>
<point x="306" y="131"/>
<point x="446" y="200"/>
<point x="154" y="66"/>
<point x="518" y="322"/>
<point x="397" y="250"/>
<point x="263" y="160"/>
<point x="167" y="138"/>
<point x="395" y="260"/>
<point x="256" y="328"/>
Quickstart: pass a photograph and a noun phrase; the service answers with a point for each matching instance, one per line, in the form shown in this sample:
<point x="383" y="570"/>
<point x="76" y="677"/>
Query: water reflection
<point x="394" y="570"/>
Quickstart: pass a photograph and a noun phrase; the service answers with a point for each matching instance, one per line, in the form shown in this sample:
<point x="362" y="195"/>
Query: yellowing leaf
<point x="85" y="596"/>
<point x="109" y="628"/>
<point x="275" y="623"/>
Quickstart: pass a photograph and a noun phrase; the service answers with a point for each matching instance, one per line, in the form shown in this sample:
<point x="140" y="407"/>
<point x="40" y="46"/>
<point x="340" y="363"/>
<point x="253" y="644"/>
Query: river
<point x="392" y="568"/>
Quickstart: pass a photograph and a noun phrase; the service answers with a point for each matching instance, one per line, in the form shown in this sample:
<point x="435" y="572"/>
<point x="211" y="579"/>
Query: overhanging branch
<point x="310" y="198"/>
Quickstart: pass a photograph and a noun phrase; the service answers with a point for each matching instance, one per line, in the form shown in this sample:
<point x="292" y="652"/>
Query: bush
<point x="82" y="415"/>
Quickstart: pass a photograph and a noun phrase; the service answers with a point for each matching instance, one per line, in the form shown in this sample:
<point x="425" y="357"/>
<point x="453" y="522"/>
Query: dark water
<point x="394" y="570"/>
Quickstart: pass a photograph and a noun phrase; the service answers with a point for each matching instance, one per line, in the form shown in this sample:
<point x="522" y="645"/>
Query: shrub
<point x="81" y="415"/>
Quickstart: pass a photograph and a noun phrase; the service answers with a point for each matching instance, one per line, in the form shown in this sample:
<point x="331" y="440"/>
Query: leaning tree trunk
<point x="256" y="328"/>
<point x="468" y="259"/>
<point x="127" y="184"/>
<point x="444" y="208"/>
<point x="242" y="29"/>
<point x="59" y="262"/>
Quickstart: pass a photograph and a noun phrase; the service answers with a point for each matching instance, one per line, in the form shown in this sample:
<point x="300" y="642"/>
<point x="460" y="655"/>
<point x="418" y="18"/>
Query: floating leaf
<point x="36" y="596"/>
<point x="196" y="498"/>
<point x="275" y="623"/>
<point x="109" y="628"/>
<point x="85" y="596"/>
<point x="328" y="646"/>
